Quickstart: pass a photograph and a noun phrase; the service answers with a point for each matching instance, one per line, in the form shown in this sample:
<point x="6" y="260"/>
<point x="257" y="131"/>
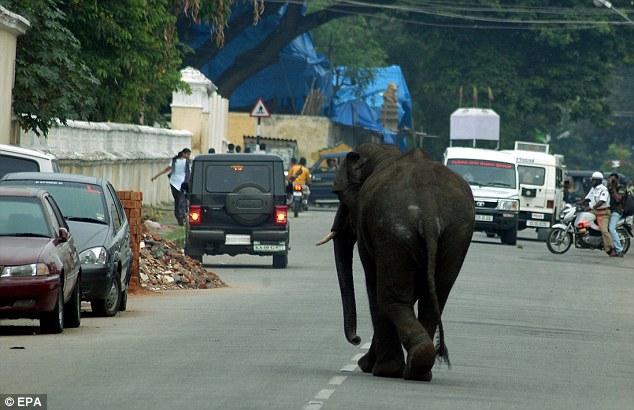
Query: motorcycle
<point x="299" y="201"/>
<point x="579" y="227"/>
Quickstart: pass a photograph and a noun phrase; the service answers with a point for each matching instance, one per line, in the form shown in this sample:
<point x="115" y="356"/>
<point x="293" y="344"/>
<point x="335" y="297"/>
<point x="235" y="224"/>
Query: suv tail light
<point x="281" y="215"/>
<point x="195" y="215"/>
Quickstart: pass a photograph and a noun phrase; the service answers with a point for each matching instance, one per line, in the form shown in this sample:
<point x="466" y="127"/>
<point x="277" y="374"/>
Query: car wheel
<point x="280" y="261"/>
<point x="110" y="305"/>
<point x="123" y="304"/>
<point x="53" y="321"/>
<point x="72" y="309"/>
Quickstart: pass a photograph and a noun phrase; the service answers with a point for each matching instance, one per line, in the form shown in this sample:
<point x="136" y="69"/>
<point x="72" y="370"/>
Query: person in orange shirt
<point x="300" y="174"/>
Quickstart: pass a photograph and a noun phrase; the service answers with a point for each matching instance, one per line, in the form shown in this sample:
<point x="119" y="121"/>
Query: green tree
<point x="131" y="47"/>
<point x="52" y="81"/>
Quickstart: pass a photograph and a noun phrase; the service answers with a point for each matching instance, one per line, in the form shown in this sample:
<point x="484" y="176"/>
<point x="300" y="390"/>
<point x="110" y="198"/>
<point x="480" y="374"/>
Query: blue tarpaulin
<point x="284" y="84"/>
<point x="362" y="108"/>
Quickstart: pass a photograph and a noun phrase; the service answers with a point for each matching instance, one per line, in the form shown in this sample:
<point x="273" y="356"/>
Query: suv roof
<point x="38" y="176"/>
<point x="25" y="151"/>
<point x="239" y="157"/>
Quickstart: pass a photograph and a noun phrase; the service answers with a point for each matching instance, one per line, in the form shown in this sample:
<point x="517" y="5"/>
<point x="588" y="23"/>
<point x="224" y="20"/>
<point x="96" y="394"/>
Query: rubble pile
<point x="164" y="266"/>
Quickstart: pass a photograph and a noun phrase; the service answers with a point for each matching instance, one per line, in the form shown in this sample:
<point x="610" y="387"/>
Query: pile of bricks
<point x="132" y="204"/>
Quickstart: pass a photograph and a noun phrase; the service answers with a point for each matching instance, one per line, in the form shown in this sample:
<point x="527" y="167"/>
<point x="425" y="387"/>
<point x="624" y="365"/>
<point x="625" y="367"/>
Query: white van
<point x="17" y="159"/>
<point x="541" y="191"/>
<point x="492" y="176"/>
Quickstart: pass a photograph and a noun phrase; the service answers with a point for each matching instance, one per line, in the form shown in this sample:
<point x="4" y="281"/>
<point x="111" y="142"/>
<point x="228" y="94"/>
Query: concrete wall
<point x="127" y="155"/>
<point x="311" y="133"/>
<point x="11" y="26"/>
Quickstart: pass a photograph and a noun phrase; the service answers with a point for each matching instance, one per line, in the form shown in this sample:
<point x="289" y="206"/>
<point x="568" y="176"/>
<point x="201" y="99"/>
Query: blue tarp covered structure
<point x="362" y="108"/>
<point x="284" y="84"/>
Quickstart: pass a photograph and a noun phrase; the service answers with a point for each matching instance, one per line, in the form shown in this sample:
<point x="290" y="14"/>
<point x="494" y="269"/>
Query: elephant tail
<point x="442" y="353"/>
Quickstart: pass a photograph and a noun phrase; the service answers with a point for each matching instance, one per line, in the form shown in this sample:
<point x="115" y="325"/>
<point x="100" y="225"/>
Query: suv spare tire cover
<point x="250" y="204"/>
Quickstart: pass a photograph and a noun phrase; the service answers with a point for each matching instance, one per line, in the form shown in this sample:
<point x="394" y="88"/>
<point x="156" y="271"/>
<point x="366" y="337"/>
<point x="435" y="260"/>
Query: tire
<point x="509" y="237"/>
<point x="558" y="244"/>
<point x="625" y="240"/>
<point x="110" y="305"/>
<point x="53" y="322"/>
<point x="72" y="309"/>
<point x="296" y="207"/>
<point x="280" y="261"/>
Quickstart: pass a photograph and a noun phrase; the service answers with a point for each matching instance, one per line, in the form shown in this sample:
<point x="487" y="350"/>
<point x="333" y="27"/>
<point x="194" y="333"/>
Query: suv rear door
<point x="239" y="195"/>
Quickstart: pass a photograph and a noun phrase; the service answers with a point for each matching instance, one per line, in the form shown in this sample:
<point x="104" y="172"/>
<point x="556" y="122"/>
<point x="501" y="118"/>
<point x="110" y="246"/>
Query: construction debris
<point x="163" y="265"/>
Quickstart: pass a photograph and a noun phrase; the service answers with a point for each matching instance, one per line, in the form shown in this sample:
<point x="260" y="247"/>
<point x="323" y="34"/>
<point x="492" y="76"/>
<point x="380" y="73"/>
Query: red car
<point x="39" y="265"/>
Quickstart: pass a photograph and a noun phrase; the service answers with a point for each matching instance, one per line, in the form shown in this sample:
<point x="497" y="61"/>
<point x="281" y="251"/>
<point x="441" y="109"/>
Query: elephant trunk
<point x="344" y="247"/>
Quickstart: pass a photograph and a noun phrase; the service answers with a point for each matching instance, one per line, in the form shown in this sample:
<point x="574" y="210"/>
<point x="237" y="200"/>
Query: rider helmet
<point x="597" y="175"/>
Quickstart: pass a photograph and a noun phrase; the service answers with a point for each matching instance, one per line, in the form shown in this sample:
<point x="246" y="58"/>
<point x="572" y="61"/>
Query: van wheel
<point x="509" y="237"/>
<point x="280" y="261"/>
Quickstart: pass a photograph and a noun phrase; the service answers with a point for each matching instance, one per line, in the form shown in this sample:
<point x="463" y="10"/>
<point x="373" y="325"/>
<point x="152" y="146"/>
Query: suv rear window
<point x="225" y="178"/>
<point x="10" y="164"/>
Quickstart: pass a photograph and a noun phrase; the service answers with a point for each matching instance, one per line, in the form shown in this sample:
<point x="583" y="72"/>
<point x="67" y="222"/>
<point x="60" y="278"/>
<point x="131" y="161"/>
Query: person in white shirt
<point x="179" y="175"/>
<point x="598" y="200"/>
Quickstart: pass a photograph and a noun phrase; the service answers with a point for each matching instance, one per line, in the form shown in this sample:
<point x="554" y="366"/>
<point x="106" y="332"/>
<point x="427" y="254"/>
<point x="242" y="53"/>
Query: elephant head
<point x="357" y="167"/>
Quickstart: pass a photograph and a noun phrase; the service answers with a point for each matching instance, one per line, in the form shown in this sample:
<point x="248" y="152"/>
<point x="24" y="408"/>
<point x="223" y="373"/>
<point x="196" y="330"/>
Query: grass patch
<point x="176" y="235"/>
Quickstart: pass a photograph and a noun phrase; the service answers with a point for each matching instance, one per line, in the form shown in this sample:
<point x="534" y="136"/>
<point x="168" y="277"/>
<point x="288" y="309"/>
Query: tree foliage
<point x="131" y="47"/>
<point x="52" y="81"/>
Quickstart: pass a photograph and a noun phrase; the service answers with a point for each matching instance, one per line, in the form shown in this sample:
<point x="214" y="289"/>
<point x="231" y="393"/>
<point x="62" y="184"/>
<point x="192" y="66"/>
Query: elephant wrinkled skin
<point x="412" y="220"/>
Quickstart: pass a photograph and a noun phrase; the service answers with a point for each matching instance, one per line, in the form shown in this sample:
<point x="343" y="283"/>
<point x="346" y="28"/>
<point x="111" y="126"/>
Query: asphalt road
<point x="526" y="329"/>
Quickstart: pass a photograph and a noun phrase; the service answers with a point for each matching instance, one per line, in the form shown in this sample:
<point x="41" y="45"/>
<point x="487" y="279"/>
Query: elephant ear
<point x="351" y="173"/>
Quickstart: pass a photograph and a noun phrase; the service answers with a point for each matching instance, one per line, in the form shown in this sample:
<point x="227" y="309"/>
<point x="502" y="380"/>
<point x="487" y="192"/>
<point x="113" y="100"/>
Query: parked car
<point x="323" y="176"/>
<point x="17" y="159"/>
<point x="39" y="264"/>
<point x="96" y="218"/>
<point x="238" y="206"/>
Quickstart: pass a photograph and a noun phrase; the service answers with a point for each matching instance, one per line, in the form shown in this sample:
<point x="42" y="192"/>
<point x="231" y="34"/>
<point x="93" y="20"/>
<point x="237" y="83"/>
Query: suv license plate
<point x="269" y="247"/>
<point x="484" y="218"/>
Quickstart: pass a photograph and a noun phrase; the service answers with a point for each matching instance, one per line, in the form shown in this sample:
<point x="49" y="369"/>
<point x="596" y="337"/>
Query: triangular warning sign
<point x="260" y="110"/>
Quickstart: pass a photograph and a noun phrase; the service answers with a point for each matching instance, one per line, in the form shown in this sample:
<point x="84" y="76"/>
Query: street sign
<point x="260" y="110"/>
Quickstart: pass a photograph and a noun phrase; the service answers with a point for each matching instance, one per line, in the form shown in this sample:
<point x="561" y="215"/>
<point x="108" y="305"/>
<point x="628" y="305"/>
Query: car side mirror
<point x="63" y="235"/>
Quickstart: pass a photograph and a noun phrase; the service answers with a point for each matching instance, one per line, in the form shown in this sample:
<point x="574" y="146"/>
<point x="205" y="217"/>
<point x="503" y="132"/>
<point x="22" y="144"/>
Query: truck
<point x="540" y="187"/>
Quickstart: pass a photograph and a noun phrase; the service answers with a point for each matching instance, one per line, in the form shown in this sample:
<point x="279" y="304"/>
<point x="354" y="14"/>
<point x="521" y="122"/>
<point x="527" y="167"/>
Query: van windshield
<point x="531" y="175"/>
<point x="485" y="173"/>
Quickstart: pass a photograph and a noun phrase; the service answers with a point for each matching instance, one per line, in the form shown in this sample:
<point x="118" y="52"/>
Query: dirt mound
<point x="164" y="266"/>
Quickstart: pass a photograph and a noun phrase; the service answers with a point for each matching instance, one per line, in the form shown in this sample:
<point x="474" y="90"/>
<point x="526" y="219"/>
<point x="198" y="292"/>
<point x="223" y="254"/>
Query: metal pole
<point x="257" y="135"/>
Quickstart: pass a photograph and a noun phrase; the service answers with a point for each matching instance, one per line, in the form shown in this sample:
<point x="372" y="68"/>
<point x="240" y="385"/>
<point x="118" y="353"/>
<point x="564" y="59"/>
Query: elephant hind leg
<point x="396" y="296"/>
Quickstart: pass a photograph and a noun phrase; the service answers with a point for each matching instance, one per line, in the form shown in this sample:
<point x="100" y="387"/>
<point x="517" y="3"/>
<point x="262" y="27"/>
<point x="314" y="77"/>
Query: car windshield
<point x="226" y="177"/>
<point x="77" y="201"/>
<point x="22" y="217"/>
<point x="485" y="173"/>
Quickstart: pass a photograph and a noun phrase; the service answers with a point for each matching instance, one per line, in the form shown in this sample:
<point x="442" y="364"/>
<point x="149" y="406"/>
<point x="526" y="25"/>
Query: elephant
<point x="412" y="221"/>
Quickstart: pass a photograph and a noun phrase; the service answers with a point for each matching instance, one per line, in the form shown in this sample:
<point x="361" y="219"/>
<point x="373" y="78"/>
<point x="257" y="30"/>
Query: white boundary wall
<point x="127" y="155"/>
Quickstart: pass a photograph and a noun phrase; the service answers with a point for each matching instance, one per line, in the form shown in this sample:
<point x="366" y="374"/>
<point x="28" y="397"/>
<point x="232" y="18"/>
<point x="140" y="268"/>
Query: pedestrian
<point x="179" y="172"/>
<point x="231" y="148"/>
<point x="598" y="201"/>
<point x="617" y="203"/>
<point x="238" y="149"/>
<point x="211" y="151"/>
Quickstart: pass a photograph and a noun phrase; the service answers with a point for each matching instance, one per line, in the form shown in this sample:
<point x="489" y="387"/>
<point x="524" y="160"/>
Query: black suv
<point x="238" y="206"/>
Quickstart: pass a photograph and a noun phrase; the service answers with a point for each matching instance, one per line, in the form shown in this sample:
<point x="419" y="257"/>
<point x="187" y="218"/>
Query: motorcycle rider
<point x="617" y="202"/>
<point x="598" y="202"/>
<point x="299" y="174"/>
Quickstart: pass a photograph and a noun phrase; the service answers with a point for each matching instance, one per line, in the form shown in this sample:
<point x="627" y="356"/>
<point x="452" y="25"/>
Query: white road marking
<point x="324" y="394"/>
<point x="314" y="405"/>
<point x="349" y="368"/>
<point x="357" y="357"/>
<point x="366" y="346"/>
<point x="337" y="380"/>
